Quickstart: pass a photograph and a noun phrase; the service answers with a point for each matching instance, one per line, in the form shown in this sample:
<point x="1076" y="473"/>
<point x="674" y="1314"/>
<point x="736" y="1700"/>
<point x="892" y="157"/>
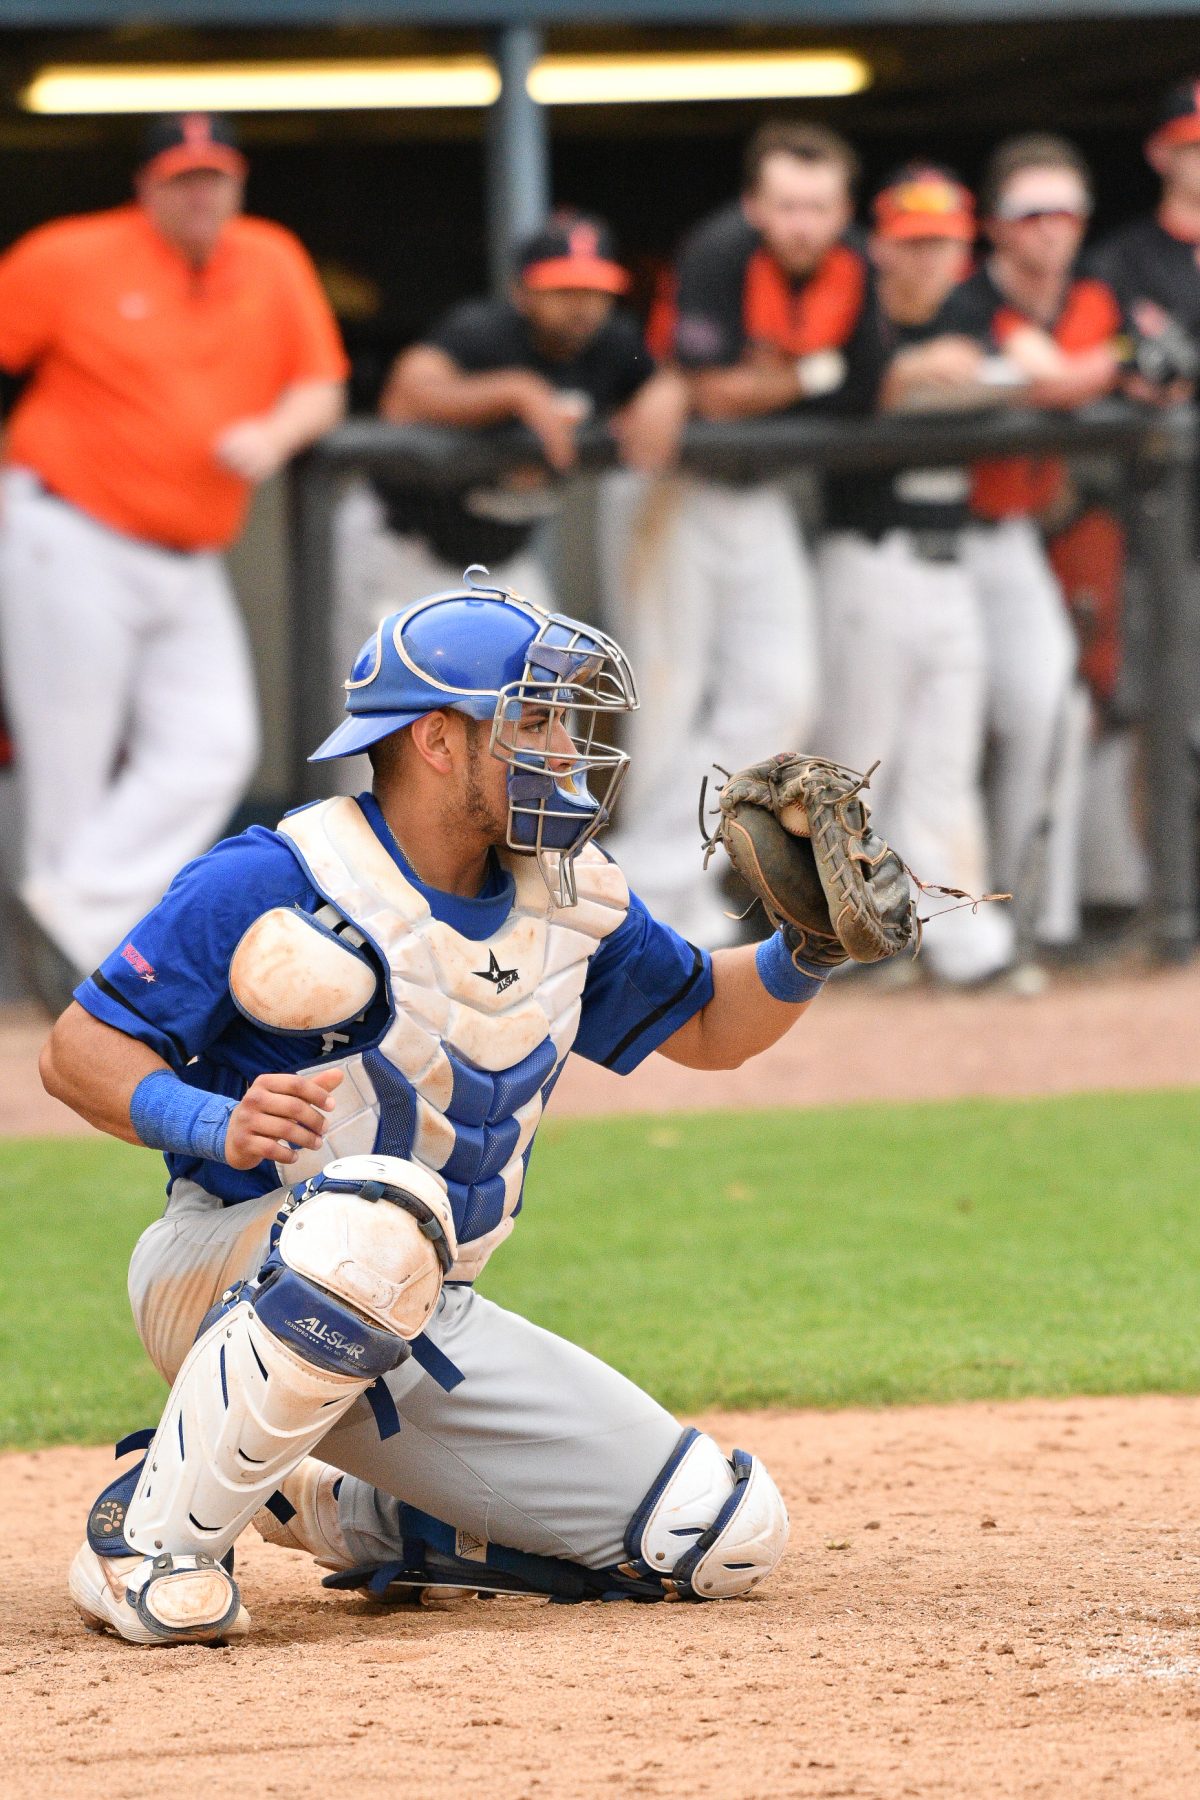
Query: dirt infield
<point x="1127" y="1028"/>
<point x="980" y="1601"/>
<point x="994" y="1600"/>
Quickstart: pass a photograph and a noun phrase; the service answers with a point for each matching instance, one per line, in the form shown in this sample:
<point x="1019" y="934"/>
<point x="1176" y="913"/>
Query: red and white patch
<point x="138" y="963"/>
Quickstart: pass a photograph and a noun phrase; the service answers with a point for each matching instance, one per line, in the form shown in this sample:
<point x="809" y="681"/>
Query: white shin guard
<point x="243" y="1411"/>
<point x="356" y="1272"/>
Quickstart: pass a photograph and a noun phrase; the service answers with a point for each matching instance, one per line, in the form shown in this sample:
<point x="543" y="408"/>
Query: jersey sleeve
<point x="315" y="342"/>
<point x="1125" y="262"/>
<point x="167" y="984"/>
<point x="32" y="285"/>
<point x="644" y="982"/>
<point x="474" y="336"/>
<point x="1097" y="313"/>
<point x="709" y="331"/>
<point x="967" y="312"/>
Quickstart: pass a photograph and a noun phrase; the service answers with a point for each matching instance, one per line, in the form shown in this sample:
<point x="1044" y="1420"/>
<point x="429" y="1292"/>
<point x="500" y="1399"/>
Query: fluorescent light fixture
<point x="439" y="82"/>
<point x="738" y="75"/>
<point x="262" y="87"/>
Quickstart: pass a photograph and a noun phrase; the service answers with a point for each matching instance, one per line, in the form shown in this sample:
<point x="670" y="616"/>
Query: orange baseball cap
<point x="179" y="142"/>
<point x="1179" y="116"/>
<point x="923" y="200"/>
<point x="572" y="251"/>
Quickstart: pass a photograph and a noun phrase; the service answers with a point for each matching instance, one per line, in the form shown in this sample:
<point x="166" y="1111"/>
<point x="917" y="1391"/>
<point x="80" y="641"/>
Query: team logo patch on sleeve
<point x="499" y="978"/>
<point x="138" y="963"/>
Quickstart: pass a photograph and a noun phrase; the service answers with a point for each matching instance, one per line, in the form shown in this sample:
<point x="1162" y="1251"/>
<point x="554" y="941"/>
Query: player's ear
<point x="435" y="740"/>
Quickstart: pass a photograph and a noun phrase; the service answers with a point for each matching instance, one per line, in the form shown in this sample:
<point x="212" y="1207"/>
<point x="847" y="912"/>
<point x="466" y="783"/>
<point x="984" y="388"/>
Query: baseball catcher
<point x="342" y="1035"/>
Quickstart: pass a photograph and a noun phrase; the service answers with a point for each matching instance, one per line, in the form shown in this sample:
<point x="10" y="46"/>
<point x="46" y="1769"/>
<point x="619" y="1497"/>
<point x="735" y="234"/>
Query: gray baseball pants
<point x="542" y="1447"/>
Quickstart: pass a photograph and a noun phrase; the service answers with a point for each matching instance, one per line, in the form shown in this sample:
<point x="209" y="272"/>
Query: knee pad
<point x="710" y="1528"/>
<point x="386" y="1262"/>
<point x="278" y="1363"/>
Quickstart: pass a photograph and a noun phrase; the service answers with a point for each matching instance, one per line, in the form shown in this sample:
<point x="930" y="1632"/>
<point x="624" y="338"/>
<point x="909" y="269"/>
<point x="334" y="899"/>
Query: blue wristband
<point x="169" y="1115"/>
<point x="780" y="976"/>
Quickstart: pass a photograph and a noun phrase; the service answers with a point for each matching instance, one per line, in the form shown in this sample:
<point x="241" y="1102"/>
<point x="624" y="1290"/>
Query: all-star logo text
<point x="320" y="1333"/>
<point x="499" y="978"/>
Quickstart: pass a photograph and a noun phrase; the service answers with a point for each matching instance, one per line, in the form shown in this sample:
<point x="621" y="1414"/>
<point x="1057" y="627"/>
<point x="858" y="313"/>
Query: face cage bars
<point x="575" y="681"/>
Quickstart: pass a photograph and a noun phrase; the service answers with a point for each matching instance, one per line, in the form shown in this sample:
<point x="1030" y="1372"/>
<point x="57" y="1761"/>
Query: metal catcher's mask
<point x="574" y="675"/>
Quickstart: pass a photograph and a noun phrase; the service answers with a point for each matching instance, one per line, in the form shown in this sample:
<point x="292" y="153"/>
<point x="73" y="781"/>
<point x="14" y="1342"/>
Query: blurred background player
<point x="1051" y="336"/>
<point x="177" y="354"/>
<point x="553" y="355"/>
<point x="1151" y="263"/>
<point x="903" y="645"/>
<point x="774" y="312"/>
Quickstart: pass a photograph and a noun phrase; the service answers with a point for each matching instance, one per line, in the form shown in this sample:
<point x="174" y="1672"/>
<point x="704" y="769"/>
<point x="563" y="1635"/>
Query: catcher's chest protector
<point x="479" y="1029"/>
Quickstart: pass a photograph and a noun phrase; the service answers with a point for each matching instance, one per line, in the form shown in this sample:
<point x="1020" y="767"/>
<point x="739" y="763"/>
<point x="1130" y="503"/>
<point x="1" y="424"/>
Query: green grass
<point x="858" y="1255"/>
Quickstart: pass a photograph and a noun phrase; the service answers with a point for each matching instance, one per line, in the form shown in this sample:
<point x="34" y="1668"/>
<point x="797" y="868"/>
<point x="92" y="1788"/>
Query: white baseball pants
<point x="542" y="1447"/>
<point x="1031" y="657"/>
<point x="710" y="593"/>
<point x="130" y="691"/>
<point x="1115" y="869"/>
<point x="904" y="662"/>
<point x="1094" y="850"/>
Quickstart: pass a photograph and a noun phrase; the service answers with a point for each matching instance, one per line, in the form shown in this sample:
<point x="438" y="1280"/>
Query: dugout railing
<point x="1157" y="449"/>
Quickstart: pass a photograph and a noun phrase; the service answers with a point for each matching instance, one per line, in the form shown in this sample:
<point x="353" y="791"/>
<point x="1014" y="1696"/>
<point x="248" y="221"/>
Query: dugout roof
<point x="551" y="12"/>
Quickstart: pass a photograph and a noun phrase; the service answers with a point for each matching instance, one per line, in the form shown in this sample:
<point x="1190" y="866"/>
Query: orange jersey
<point x="138" y="363"/>
<point x="820" y="315"/>
<point x="1022" y="487"/>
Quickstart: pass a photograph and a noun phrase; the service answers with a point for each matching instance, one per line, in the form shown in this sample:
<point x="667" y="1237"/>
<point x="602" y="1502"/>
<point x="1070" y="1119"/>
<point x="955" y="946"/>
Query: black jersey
<point x="732" y="295"/>
<point x="1143" y="261"/>
<point x="1148" y="267"/>
<point x="929" y="501"/>
<point x="493" y="522"/>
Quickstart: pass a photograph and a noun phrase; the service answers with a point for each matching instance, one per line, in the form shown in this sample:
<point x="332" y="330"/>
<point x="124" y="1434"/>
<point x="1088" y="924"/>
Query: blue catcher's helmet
<point x="490" y="654"/>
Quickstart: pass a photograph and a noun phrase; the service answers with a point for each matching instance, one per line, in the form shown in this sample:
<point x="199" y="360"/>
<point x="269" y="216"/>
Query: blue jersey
<point x="168" y="983"/>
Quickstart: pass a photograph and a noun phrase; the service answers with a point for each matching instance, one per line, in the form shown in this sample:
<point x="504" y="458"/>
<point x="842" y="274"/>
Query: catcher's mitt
<point x="798" y="833"/>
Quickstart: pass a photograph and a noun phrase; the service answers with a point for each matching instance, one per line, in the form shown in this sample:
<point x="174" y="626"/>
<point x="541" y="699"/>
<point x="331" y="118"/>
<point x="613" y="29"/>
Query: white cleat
<point x="313" y="1526"/>
<point x="157" y="1599"/>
